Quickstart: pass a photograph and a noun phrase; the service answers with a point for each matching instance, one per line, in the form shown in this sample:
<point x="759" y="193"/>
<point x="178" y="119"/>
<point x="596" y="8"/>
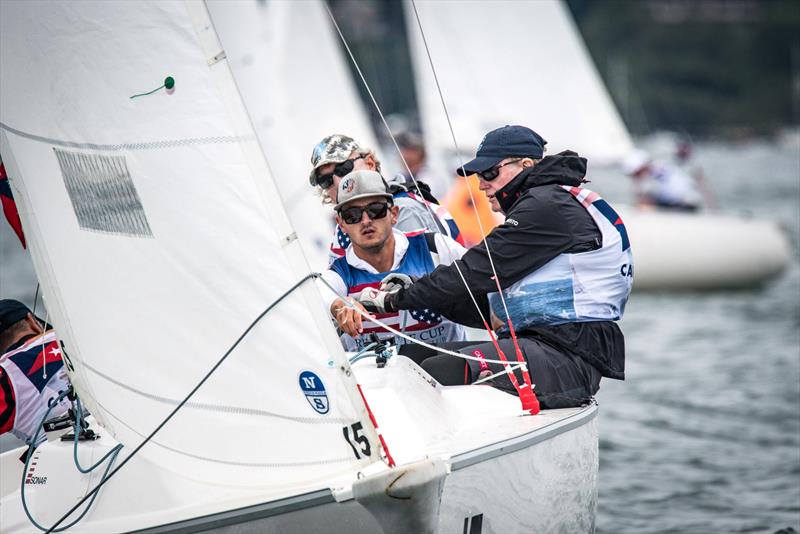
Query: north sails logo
<point x="314" y="390"/>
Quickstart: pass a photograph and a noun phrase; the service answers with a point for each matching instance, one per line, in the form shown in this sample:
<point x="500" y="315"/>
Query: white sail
<point x="292" y="73"/>
<point x="158" y="235"/>
<point x="509" y="62"/>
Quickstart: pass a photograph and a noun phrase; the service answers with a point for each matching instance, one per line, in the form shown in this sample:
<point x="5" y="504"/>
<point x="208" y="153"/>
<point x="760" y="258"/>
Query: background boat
<point x="558" y="92"/>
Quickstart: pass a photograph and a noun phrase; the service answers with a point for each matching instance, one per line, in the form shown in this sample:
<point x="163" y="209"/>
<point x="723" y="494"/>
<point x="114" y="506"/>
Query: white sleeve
<point x="413" y="216"/>
<point x="336" y="282"/>
<point x="448" y="249"/>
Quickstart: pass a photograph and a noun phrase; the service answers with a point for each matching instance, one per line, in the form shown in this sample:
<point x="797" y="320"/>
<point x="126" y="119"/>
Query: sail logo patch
<point x="314" y="390"/>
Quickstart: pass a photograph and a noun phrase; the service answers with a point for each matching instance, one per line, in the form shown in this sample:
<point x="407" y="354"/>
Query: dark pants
<point x="560" y="380"/>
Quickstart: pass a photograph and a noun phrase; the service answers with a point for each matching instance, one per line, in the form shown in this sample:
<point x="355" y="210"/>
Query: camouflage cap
<point x="335" y="148"/>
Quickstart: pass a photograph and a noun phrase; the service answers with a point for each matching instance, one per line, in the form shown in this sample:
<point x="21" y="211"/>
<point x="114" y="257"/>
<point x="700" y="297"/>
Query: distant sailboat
<point x="160" y="227"/>
<point x="535" y="70"/>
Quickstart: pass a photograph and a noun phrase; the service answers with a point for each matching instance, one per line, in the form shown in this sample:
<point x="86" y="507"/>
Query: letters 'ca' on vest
<point x="585" y="286"/>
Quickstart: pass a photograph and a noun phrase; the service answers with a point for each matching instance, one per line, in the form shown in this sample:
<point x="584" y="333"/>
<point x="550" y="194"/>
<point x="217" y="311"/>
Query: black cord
<point x="35" y="298"/>
<point x="184" y="401"/>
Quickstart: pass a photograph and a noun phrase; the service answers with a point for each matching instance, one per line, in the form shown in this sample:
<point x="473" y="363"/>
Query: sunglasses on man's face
<point x="342" y="169"/>
<point x="492" y="173"/>
<point x="374" y="210"/>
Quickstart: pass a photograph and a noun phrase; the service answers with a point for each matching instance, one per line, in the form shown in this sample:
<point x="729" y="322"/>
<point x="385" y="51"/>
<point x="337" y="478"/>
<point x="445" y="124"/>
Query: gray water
<point x="704" y="435"/>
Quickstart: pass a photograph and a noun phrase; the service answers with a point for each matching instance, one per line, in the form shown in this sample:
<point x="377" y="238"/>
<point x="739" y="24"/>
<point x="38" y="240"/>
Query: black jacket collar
<point x="564" y="168"/>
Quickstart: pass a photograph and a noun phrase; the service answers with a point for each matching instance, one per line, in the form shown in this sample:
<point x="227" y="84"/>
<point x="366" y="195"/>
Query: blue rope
<point x="114" y="451"/>
<point x="32" y="448"/>
<point x="358" y="355"/>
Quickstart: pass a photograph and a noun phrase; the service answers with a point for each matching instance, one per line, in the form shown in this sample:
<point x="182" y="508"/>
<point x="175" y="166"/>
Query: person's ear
<point x="339" y="220"/>
<point x="33" y="324"/>
<point x="527" y="162"/>
<point x="394" y="210"/>
<point x="369" y="159"/>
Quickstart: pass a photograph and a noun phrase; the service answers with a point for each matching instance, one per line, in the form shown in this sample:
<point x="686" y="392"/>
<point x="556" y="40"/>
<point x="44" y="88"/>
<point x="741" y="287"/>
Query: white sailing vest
<point x="37" y="374"/>
<point x="585" y="286"/>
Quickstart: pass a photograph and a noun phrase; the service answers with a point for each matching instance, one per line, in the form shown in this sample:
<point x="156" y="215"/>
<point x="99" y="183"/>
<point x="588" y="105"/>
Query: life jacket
<point x="575" y="287"/>
<point x="445" y="223"/>
<point x="30" y="377"/>
<point x="420" y="259"/>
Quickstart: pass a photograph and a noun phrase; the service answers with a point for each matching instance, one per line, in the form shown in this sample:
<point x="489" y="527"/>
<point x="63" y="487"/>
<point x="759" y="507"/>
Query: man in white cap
<point x="661" y="184"/>
<point x="337" y="155"/>
<point x="366" y="211"/>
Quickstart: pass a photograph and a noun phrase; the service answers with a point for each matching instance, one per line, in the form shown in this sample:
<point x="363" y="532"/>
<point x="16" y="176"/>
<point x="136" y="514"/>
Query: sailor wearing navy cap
<point x="563" y="261"/>
<point x="31" y="372"/>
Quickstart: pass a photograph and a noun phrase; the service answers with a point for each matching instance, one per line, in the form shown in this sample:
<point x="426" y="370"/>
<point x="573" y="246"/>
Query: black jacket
<point x="542" y="221"/>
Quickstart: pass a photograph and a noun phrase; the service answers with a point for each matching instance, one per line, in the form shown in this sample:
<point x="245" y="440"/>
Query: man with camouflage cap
<point x="337" y="155"/>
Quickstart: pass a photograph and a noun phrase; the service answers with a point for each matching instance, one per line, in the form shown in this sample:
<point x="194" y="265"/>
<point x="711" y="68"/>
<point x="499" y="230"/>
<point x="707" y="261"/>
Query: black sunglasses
<point x="341" y="169"/>
<point x="375" y="210"/>
<point x="492" y="173"/>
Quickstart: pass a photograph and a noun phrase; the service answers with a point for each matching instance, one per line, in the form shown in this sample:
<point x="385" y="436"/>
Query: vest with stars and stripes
<point x="444" y="223"/>
<point x="30" y="376"/>
<point x="424" y="325"/>
<point x="576" y="287"/>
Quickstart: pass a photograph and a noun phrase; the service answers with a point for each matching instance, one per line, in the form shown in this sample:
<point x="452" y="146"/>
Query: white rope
<point x="44" y="356"/>
<point x="383" y="119"/>
<point x="461" y="160"/>
<point x="429" y="210"/>
<point x="506" y="365"/>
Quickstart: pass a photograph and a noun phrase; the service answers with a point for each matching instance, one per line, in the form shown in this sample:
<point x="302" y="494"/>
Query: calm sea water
<point x="704" y="435"/>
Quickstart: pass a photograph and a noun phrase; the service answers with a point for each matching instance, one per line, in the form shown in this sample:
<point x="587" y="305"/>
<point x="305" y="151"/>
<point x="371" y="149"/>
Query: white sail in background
<point x="158" y="235"/>
<point x="509" y="62"/>
<point x="293" y="75"/>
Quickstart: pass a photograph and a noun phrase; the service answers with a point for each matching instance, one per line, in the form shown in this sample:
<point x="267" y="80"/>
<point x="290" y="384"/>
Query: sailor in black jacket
<point x="563" y="260"/>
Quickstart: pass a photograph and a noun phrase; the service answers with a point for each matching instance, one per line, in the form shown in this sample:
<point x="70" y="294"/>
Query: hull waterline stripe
<point x="546" y="432"/>
<point x="243" y="515"/>
<point x="145" y="145"/>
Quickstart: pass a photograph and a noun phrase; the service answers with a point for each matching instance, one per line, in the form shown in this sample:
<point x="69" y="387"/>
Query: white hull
<point x="511" y="473"/>
<point x="702" y="251"/>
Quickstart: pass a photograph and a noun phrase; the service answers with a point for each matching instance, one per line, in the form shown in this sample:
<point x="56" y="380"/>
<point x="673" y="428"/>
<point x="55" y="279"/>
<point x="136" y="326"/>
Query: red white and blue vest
<point x="424" y="325"/>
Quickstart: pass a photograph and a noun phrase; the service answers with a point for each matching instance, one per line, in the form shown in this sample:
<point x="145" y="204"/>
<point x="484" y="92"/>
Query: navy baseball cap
<point x="505" y="142"/>
<point x="11" y="312"/>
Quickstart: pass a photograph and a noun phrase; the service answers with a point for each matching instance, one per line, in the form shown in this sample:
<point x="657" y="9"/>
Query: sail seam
<point x="227" y="462"/>
<point x="145" y="145"/>
<point x="221" y="408"/>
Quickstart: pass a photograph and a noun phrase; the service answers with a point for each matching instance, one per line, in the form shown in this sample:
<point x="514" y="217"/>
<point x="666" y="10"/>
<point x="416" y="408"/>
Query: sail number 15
<point x="357" y="440"/>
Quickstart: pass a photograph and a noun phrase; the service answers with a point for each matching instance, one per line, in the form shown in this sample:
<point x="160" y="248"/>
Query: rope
<point x="409" y="338"/>
<point x="429" y="210"/>
<point x="526" y="394"/>
<point x="32" y="448"/>
<point x="133" y="453"/>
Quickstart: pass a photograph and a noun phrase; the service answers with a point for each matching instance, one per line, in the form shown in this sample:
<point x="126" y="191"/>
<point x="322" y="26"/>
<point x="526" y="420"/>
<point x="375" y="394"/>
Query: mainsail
<point x="158" y="235"/>
<point x="509" y="62"/>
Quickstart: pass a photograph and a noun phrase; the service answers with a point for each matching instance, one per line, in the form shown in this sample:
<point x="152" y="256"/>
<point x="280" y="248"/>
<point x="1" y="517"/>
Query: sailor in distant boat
<point x="366" y="212"/>
<point x="337" y="155"/>
<point x="563" y="261"/>
<point x="32" y="372"/>
<point x="661" y="184"/>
